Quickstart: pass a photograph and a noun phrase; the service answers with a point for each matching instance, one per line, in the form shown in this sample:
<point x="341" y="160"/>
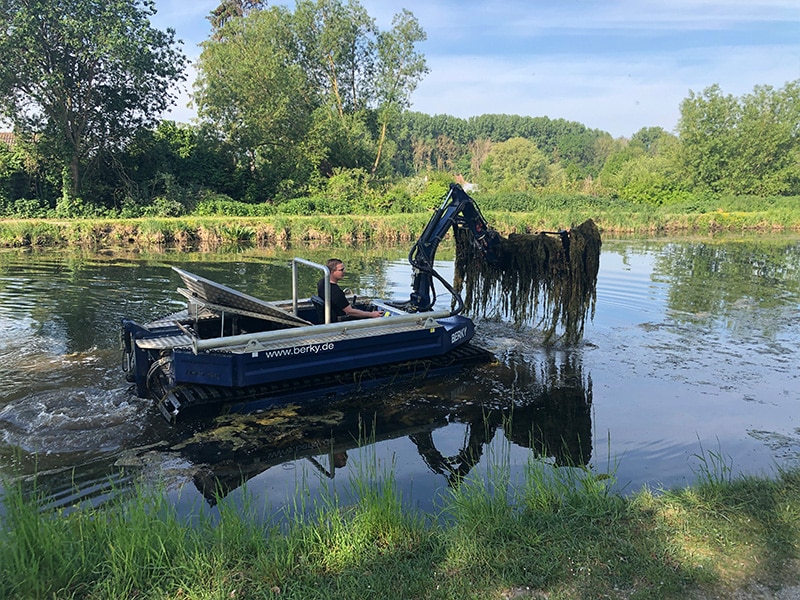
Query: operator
<point x="339" y="304"/>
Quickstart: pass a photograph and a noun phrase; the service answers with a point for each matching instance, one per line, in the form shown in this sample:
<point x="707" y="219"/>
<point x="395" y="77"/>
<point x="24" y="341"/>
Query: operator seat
<point x="319" y="304"/>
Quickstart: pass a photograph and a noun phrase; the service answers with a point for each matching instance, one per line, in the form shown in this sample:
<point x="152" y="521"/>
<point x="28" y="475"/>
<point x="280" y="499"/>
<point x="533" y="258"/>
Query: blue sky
<point x="612" y="65"/>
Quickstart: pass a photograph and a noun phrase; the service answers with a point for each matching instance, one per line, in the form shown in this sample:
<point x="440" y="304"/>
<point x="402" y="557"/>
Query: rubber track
<point x="185" y="397"/>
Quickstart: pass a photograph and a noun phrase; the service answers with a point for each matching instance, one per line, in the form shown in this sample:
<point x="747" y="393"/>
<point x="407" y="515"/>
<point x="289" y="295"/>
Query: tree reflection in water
<point x="544" y="407"/>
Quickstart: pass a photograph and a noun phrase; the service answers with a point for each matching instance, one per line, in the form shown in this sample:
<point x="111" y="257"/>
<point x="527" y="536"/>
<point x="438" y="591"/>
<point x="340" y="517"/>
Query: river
<point x="689" y="363"/>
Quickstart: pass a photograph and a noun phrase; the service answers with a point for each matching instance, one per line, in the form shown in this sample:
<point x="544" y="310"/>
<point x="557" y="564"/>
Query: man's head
<point x="336" y="267"/>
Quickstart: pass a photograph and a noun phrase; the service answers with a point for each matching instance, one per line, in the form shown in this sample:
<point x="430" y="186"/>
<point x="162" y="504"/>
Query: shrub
<point x="25" y="208"/>
<point x="398" y="201"/>
<point x="161" y="207"/>
<point x="435" y="190"/>
<point x="224" y="206"/>
<point x="299" y="206"/>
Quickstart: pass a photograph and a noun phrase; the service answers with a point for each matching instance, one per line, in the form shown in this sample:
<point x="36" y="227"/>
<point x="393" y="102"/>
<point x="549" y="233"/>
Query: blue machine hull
<point x="303" y="359"/>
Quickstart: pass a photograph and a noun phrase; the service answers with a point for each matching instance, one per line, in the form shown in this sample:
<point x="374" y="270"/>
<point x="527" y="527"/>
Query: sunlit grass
<point x="703" y="216"/>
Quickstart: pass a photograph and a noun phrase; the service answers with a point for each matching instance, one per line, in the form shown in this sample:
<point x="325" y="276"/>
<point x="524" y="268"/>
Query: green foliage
<point x="163" y="207"/>
<point x="745" y="145"/>
<point x="333" y="134"/>
<point x="246" y="57"/>
<point x="336" y="84"/>
<point x="443" y="142"/>
<point x="303" y="206"/>
<point x="644" y="180"/>
<point x="338" y="142"/>
<point x="83" y="77"/>
<point x="428" y="192"/>
<point x="317" y="205"/>
<point x="537" y="201"/>
<point x="398" y="200"/>
<point x="220" y="205"/>
<point x="350" y="187"/>
<point x="514" y="165"/>
<point x="645" y="171"/>
<point x="26" y="208"/>
<point x="649" y="139"/>
<point x="337" y="51"/>
<point x="350" y="191"/>
<point x="399" y="69"/>
<point x="13" y="178"/>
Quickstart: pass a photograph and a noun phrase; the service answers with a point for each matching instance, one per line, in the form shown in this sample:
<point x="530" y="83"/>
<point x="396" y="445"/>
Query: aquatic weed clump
<point x="549" y="277"/>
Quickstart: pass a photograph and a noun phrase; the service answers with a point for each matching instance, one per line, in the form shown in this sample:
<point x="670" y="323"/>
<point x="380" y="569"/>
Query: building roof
<point x="7" y="137"/>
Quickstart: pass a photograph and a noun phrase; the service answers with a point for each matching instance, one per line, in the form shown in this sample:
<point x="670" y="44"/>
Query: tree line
<point x="306" y="110"/>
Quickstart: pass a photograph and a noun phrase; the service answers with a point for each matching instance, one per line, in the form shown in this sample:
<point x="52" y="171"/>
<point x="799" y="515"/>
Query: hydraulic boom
<point x="458" y="210"/>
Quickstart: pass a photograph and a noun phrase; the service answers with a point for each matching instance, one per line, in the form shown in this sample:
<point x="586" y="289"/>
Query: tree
<point x="649" y="138"/>
<point x="479" y="150"/>
<point x="12" y="173"/>
<point x="251" y="87"/>
<point x="232" y="9"/>
<point x="400" y="69"/>
<point x="178" y="162"/>
<point x="645" y="169"/>
<point x="768" y="157"/>
<point x="706" y="129"/>
<point x="747" y="145"/>
<point x="354" y="66"/>
<point x="336" y="44"/>
<point x="82" y="76"/>
<point x="514" y="165"/>
<point x="305" y="94"/>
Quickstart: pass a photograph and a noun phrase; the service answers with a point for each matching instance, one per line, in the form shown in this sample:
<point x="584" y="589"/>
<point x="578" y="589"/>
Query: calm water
<point x="694" y="350"/>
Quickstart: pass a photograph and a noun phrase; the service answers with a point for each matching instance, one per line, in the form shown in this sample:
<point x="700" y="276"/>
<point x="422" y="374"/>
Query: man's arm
<point x="351" y="311"/>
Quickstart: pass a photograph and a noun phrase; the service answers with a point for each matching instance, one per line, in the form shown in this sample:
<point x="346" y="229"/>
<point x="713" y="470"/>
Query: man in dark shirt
<point x="339" y="304"/>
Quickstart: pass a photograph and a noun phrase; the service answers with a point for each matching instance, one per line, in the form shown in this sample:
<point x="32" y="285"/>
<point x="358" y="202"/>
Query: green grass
<point x="561" y="533"/>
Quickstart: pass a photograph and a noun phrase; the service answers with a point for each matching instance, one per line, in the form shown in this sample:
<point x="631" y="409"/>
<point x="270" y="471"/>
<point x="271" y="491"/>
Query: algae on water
<point x="546" y="278"/>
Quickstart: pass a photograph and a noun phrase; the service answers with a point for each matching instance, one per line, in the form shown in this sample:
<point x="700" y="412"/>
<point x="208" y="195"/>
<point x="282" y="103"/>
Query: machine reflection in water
<point x="545" y="407"/>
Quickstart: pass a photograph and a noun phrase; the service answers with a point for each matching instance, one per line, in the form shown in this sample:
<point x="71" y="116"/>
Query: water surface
<point x="693" y="352"/>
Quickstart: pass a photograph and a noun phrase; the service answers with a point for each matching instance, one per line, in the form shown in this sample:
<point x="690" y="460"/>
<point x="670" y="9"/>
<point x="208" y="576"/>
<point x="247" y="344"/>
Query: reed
<point x="702" y="216"/>
<point x="30" y="232"/>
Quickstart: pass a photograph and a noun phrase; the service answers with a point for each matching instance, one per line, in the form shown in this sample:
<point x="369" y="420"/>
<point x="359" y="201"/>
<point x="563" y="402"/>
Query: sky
<point x="612" y="65"/>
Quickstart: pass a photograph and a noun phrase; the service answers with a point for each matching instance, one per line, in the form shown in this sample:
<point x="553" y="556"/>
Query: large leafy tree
<point x="514" y="165"/>
<point x="251" y="87"/>
<point x="400" y="69"/>
<point x="644" y="169"/>
<point x="231" y="9"/>
<point x="747" y="145"/>
<point x="307" y="93"/>
<point x="360" y="73"/>
<point x="82" y="76"/>
<point x="336" y="48"/>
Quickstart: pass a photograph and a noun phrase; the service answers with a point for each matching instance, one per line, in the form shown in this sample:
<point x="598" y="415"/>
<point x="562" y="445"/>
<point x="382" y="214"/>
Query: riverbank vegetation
<point x="562" y="533"/>
<point x="727" y="214"/>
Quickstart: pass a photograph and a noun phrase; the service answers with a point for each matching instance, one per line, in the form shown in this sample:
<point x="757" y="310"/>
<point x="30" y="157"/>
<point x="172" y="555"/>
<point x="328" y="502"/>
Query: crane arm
<point x="458" y="210"/>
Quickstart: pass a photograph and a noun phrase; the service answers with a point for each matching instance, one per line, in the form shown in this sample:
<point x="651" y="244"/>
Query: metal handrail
<point x="426" y="319"/>
<point x="326" y="276"/>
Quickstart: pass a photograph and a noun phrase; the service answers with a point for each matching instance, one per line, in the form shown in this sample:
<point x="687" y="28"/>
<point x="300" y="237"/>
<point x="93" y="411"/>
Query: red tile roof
<point x="7" y="137"/>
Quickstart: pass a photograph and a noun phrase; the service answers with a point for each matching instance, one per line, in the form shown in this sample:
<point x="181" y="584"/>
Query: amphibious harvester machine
<point x="229" y="348"/>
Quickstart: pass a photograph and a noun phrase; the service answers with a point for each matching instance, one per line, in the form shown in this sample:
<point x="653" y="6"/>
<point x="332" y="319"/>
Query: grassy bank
<point x="211" y="232"/>
<point x="560" y="534"/>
